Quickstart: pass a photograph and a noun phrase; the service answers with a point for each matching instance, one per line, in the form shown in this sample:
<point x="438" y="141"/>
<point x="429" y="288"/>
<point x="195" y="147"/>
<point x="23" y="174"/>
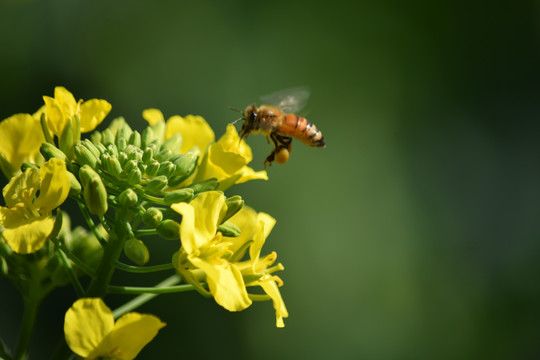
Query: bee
<point x="280" y="124"/>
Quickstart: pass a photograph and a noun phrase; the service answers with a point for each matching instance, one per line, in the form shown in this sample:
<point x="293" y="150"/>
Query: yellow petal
<point x="246" y="220"/>
<point x="87" y="323"/>
<point x="200" y="219"/>
<point x="231" y="142"/>
<point x="265" y="224"/>
<point x="250" y="174"/>
<point x="22" y="188"/>
<point x="24" y="235"/>
<point x="92" y="113"/>
<point x="55" y="185"/>
<point x="270" y="287"/>
<point x="65" y="99"/>
<point x="194" y="129"/>
<point x="56" y="120"/>
<point x="20" y="139"/>
<point x="152" y="116"/>
<point x="225" y="283"/>
<point x="130" y="334"/>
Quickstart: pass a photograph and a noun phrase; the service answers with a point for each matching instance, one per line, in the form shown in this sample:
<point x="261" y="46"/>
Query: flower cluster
<point x="167" y="181"/>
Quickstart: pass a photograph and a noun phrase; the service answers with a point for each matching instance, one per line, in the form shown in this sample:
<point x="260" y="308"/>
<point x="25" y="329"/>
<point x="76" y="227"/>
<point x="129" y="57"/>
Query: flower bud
<point x="152" y="216"/>
<point x="123" y="229"/>
<point x="122" y="157"/>
<point x="234" y="205"/>
<point x="147" y="136"/>
<point x="66" y="140"/>
<point x="157" y="184"/>
<point x="86" y="173"/>
<point x="176" y="196"/>
<point x="206" y="185"/>
<point x="75" y="186"/>
<point x="90" y="146"/>
<point x="186" y="164"/>
<point x="148" y="155"/>
<point x="130" y="165"/>
<point x="229" y="229"/>
<point x="166" y="168"/>
<point x="85" y="156"/>
<point x="114" y="166"/>
<point x="135" y="155"/>
<point x="136" y="251"/>
<point x="95" y="196"/>
<point x="135" y="139"/>
<point x="128" y="198"/>
<point x="169" y="229"/>
<point x="134" y="176"/>
<point x="108" y="138"/>
<point x="112" y="150"/>
<point x="50" y="151"/>
<point x="152" y="168"/>
<point x="173" y="143"/>
<point x="163" y="155"/>
<point x="96" y="137"/>
<point x="121" y="143"/>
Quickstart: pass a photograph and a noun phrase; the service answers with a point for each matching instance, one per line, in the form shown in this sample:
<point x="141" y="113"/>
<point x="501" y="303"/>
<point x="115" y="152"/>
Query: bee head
<point x="250" y="114"/>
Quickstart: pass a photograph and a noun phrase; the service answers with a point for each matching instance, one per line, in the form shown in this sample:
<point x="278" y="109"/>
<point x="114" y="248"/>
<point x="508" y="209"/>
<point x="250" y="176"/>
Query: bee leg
<point x="280" y="142"/>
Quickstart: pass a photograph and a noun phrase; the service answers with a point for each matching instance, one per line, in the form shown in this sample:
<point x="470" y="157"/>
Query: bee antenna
<point x="235" y="121"/>
<point x="235" y="109"/>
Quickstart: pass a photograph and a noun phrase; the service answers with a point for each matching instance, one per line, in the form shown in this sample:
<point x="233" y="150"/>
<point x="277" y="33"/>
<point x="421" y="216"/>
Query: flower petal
<point x="56" y="120"/>
<point x="194" y="129"/>
<point x="246" y="220"/>
<point x="22" y="188"/>
<point x="231" y="142"/>
<point x="55" y="185"/>
<point x="152" y="116"/>
<point x="66" y="100"/>
<point x="225" y="283"/>
<point x="130" y="334"/>
<point x="20" y="139"/>
<point x="86" y="324"/>
<point x="270" y="287"/>
<point x="265" y="224"/>
<point x="24" y="235"/>
<point x="92" y="113"/>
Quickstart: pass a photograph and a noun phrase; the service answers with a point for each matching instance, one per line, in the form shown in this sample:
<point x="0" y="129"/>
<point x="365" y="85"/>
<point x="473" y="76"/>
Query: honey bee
<point x="279" y="123"/>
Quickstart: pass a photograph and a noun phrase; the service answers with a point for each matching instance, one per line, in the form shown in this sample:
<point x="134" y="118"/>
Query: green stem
<point x="142" y="269"/>
<point x="31" y="305"/>
<point x="150" y="290"/>
<point x="90" y="222"/>
<point x="74" y="279"/>
<point x="141" y="299"/>
<point x="105" y="270"/>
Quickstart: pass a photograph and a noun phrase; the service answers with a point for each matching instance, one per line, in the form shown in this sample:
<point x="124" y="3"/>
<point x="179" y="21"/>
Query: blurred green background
<point x="413" y="235"/>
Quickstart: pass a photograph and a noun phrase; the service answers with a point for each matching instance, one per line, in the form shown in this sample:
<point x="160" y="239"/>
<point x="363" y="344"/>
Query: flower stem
<point x="31" y="305"/>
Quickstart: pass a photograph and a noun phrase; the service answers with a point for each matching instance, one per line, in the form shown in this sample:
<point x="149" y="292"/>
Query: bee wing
<point x="288" y="100"/>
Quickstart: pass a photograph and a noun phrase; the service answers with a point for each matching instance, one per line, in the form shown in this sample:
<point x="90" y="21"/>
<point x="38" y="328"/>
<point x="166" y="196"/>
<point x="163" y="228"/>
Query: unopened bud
<point x="108" y="138"/>
<point x="50" y="151"/>
<point x="229" y="229"/>
<point x="176" y="196"/>
<point x="152" y="216"/>
<point x="85" y="156"/>
<point x="114" y="166"/>
<point x="121" y="143"/>
<point x="135" y="155"/>
<point x="112" y="150"/>
<point x="95" y="196"/>
<point x="152" y="168"/>
<point x="163" y="155"/>
<point x="186" y="164"/>
<point x="128" y="198"/>
<point x="156" y="184"/>
<point x="66" y="140"/>
<point x="90" y="146"/>
<point x="148" y="155"/>
<point x="86" y="173"/>
<point x="173" y="143"/>
<point x="135" y="139"/>
<point x="147" y="136"/>
<point x="206" y="185"/>
<point x="130" y="165"/>
<point x="75" y="186"/>
<point x="166" y="168"/>
<point x="134" y="176"/>
<point x="169" y="229"/>
<point x="136" y="251"/>
<point x="234" y="205"/>
<point x="122" y="157"/>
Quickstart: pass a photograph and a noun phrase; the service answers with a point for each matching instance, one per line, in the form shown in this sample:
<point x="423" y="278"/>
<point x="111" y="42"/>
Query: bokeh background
<point x="414" y="235"/>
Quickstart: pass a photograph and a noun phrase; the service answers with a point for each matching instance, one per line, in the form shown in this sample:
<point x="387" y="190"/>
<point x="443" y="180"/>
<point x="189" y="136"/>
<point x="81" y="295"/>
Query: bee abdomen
<point x="298" y="127"/>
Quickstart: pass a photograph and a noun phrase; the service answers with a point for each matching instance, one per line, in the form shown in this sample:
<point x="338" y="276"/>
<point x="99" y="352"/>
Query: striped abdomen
<point x="298" y="127"/>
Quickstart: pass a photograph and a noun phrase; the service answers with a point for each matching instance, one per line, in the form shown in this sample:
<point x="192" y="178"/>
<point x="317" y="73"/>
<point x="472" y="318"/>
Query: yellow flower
<point x="91" y="331"/>
<point x="204" y="249"/>
<point x="20" y="139"/>
<point x="261" y="267"/>
<point x="27" y="220"/>
<point x="194" y="129"/>
<point x="63" y="107"/>
<point x="227" y="159"/>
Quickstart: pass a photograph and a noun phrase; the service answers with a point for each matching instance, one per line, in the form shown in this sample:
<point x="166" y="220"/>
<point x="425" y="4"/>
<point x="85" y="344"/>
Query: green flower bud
<point x="173" y="143"/>
<point x="114" y="166"/>
<point x="142" y="167"/>
<point x="157" y="184"/>
<point x="136" y="251"/>
<point x="152" y="216"/>
<point x="101" y="148"/>
<point x="229" y="229"/>
<point x="206" y="185"/>
<point x="112" y="150"/>
<point x="90" y="146"/>
<point x="66" y="140"/>
<point x="147" y="136"/>
<point x="108" y="138"/>
<point x="176" y="196"/>
<point x="152" y="168"/>
<point x="123" y="229"/>
<point x="169" y="229"/>
<point x="121" y="143"/>
<point x="85" y="156"/>
<point x="166" y="168"/>
<point x="128" y="198"/>
<point x="129" y="149"/>
<point x="123" y="130"/>
<point x="234" y="205"/>
<point x="130" y="165"/>
<point x="86" y="173"/>
<point x="135" y="139"/>
<point x="122" y="157"/>
<point x="50" y="151"/>
<point x="96" y="137"/>
<point x="95" y="196"/>
<point x="148" y="155"/>
<point x="134" y="176"/>
<point x="75" y="186"/>
<point x="159" y="130"/>
<point x="135" y="155"/>
<point x="163" y="155"/>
